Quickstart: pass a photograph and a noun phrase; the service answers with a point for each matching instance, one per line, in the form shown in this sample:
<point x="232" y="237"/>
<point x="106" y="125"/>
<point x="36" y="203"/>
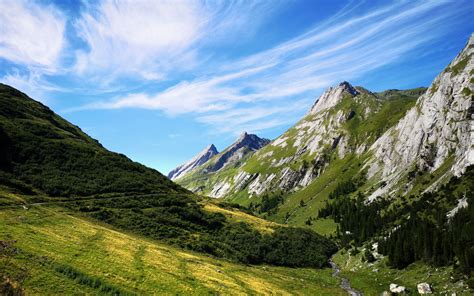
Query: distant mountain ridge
<point x="197" y="161"/>
<point x="245" y="145"/>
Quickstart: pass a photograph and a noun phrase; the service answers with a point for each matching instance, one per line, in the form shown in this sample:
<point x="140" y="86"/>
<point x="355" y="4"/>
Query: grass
<point x="315" y="195"/>
<point x="203" y="181"/>
<point x="9" y="198"/>
<point x="261" y="225"/>
<point x="45" y="151"/>
<point x="59" y="253"/>
<point x="459" y="67"/>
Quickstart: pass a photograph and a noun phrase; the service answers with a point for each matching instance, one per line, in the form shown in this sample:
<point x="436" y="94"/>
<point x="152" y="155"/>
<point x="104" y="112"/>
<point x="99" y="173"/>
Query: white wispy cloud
<point x="175" y="43"/>
<point x="344" y="47"/>
<point x="252" y="119"/>
<point x="31" y="34"/>
<point x="153" y="38"/>
<point x="134" y="36"/>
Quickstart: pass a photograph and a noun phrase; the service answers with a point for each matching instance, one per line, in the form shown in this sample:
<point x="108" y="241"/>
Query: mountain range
<point x="389" y="136"/>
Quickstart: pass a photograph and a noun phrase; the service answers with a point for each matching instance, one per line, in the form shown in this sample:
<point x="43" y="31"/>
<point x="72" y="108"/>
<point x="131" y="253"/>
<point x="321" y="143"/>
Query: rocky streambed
<point x="345" y="284"/>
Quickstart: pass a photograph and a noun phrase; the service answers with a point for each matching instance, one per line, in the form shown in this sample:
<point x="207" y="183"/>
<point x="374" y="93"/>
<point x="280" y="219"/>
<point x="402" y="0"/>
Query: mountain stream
<point x="345" y="284"/>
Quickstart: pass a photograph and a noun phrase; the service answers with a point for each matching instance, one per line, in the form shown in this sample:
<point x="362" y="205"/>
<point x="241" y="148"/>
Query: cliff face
<point x="437" y="130"/>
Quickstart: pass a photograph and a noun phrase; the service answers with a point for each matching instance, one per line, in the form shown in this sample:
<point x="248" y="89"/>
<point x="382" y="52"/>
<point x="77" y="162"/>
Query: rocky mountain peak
<point x="242" y="136"/>
<point x="197" y="161"/>
<point x="250" y="141"/>
<point x="243" y="145"/>
<point x="332" y="96"/>
<point x="211" y="148"/>
<point x="346" y="86"/>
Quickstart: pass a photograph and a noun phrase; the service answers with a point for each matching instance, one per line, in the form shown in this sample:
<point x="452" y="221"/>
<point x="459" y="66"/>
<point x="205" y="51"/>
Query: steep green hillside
<point x="301" y="207"/>
<point x="43" y="150"/>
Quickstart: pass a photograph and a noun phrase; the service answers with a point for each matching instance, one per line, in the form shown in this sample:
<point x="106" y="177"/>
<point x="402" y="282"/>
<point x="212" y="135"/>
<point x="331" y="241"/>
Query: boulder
<point x="424" y="288"/>
<point x="394" y="288"/>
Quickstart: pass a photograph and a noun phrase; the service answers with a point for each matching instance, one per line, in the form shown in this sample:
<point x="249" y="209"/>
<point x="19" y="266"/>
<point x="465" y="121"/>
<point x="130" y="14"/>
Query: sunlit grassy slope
<point x="56" y="252"/>
<point x="259" y="224"/>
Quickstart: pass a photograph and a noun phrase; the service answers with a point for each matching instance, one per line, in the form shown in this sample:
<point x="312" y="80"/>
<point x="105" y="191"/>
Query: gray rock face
<point x="332" y="96"/>
<point x="197" y="161"/>
<point x="245" y="143"/>
<point x="439" y="127"/>
<point x="318" y="131"/>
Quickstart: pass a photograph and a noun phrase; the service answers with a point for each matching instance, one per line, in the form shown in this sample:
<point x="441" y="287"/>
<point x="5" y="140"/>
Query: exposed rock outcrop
<point x="394" y="288"/>
<point x="197" y="161"/>
<point x="439" y="127"/>
<point x="332" y="96"/>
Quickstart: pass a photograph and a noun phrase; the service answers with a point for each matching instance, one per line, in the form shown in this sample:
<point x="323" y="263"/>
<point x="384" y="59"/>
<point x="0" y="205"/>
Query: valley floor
<point x="49" y="250"/>
<point x="375" y="278"/>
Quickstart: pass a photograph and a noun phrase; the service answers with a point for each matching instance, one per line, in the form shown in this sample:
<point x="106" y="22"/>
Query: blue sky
<point x="160" y="80"/>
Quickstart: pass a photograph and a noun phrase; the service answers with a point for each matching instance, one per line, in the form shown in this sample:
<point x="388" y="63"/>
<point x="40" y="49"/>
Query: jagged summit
<point x="242" y="136"/>
<point x="349" y="88"/>
<point x="211" y="147"/>
<point x="332" y="96"/>
<point x="197" y="161"/>
<point x="243" y="145"/>
<point x="251" y="141"/>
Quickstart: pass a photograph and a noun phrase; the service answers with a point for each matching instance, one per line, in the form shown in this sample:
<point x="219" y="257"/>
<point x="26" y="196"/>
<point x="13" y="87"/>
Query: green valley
<point x="363" y="190"/>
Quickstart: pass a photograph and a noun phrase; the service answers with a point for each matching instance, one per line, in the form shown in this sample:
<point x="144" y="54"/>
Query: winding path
<point x="345" y="284"/>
